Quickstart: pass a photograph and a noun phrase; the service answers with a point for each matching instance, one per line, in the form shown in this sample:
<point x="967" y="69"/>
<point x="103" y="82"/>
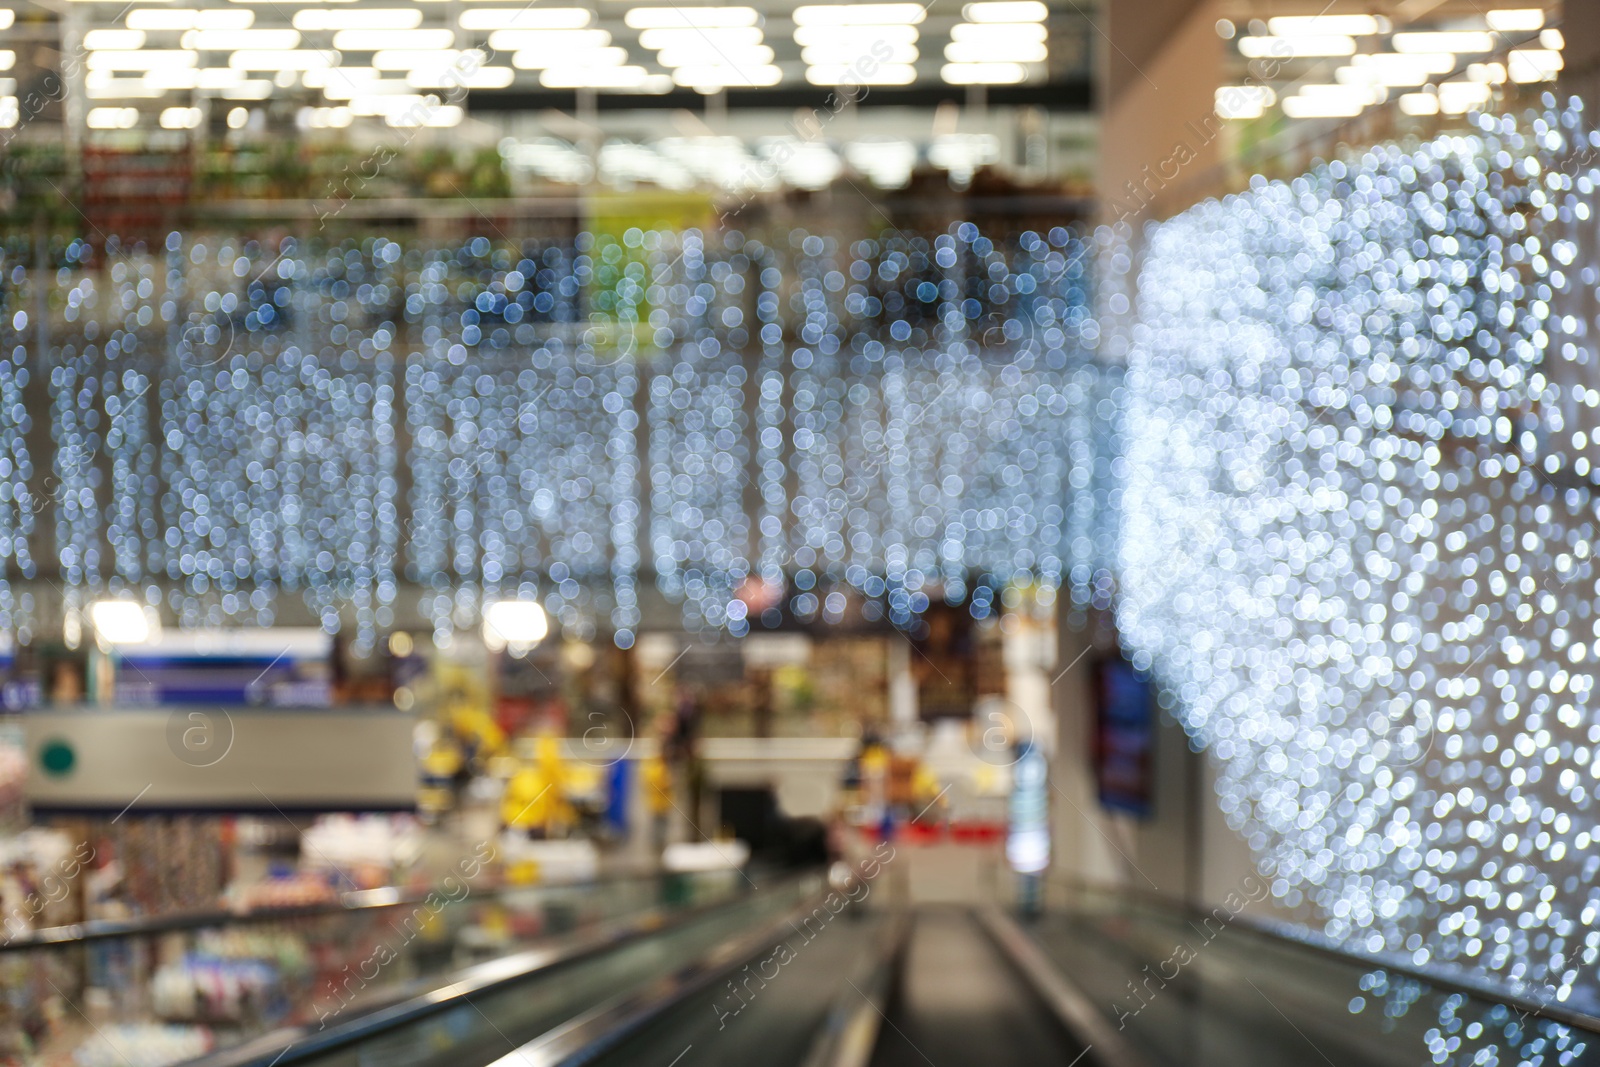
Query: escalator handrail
<point x="290" y="1045"/>
<point x="1287" y="935"/>
<point x="591" y="1033"/>
<point x="351" y="902"/>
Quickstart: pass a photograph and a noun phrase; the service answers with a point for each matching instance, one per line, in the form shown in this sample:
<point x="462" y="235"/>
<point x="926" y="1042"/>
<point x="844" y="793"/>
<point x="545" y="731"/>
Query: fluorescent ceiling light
<point x="113" y="40"/>
<point x="482" y="78"/>
<point x="717" y="76"/>
<point x="825" y="36"/>
<point x="297" y="59"/>
<point x="1344" y="25"/>
<point x="548" y="40"/>
<point x="717" y="38"/>
<point x="746" y="56"/>
<point x="887" y="73"/>
<point x="983" y="73"/>
<point x="321" y="79"/>
<point x="1393" y="69"/>
<point x="233" y="40"/>
<point x="117" y="622"/>
<point x="1533" y="64"/>
<point x="848" y="52"/>
<point x="146" y="59"/>
<point x="248" y="90"/>
<point x="189" y="19"/>
<point x="1243" y="101"/>
<point x="105" y="85"/>
<point x="549" y="18"/>
<point x="375" y="18"/>
<point x="326" y="118"/>
<point x="1444" y="41"/>
<point x="1020" y="32"/>
<point x="1487" y="73"/>
<point x="1552" y="39"/>
<point x="189" y="78"/>
<point x="974" y="52"/>
<point x="368" y="90"/>
<point x="379" y="40"/>
<point x="541" y="59"/>
<point x="10" y="111"/>
<point x="1006" y="11"/>
<point x="180" y="118"/>
<point x="1328" y="101"/>
<point x="1457" y="98"/>
<point x="1419" y="104"/>
<point x="1516" y="20"/>
<point x="656" y="18"/>
<point x="7" y="18"/>
<point x="440" y="59"/>
<point x="585" y="77"/>
<point x="370" y="103"/>
<point x="514" y="622"/>
<point x="1331" y="44"/>
<point x="860" y="14"/>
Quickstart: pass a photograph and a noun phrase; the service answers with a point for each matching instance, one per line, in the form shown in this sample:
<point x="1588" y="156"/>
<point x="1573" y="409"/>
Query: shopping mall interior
<point x="948" y="532"/>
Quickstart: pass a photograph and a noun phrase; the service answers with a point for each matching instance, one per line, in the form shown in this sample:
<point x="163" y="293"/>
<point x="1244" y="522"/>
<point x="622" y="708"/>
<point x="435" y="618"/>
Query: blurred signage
<point x="1124" y="739"/>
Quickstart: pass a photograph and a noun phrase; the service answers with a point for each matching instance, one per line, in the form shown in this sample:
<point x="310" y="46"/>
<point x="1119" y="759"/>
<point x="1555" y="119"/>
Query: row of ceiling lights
<point x="705" y="48"/>
<point x="1441" y="66"/>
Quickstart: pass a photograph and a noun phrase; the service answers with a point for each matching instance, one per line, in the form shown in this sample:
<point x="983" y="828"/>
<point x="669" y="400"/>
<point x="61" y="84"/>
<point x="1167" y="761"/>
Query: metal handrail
<point x="350" y="902"/>
<point x="290" y="1045"/>
<point x="1282" y="933"/>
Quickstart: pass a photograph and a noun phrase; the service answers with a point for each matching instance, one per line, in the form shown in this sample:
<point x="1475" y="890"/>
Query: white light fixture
<point x="298" y="59"/>
<point x="1331" y="44"/>
<point x="623" y="77"/>
<point x="117" y="622"/>
<point x="235" y="40"/>
<point x="690" y="55"/>
<point x="739" y="37"/>
<point x="1515" y="20"/>
<point x="113" y="40"/>
<point x="380" y="40"/>
<point x="1391" y="68"/>
<point x="1006" y="11"/>
<point x="983" y="73"/>
<point x="1017" y="52"/>
<point x="1444" y="41"/>
<point x="189" y="19"/>
<point x="1329" y="101"/>
<point x="1243" y="101"/>
<point x="8" y="59"/>
<point x="436" y="117"/>
<point x="887" y="73"/>
<point x="427" y="59"/>
<point x="1487" y="73"/>
<point x="1002" y="34"/>
<point x="568" y="41"/>
<point x="482" y="78"/>
<point x="847" y="53"/>
<point x="10" y="112"/>
<point x="1458" y="98"/>
<point x="549" y="18"/>
<point x="1552" y="39"/>
<point x="720" y="76"/>
<point x="180" y="118"/>
<point x="826" y="36"/>
<point x="861" y="14"/>
<point x="1344" y="25"/>
<point x="145" y="59"/>
<point x="7" y="18"/>
<point x="1419" y="104"/>
<point x="543" y="59"/>
<point x="1533" y="64"/>
<point x="375" y="18"/>
<point x="655" y="18"/>
<point x="514" y="623"/>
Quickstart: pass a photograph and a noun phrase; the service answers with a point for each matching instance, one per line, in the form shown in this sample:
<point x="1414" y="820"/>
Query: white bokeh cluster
<point x="1358" y="538"/>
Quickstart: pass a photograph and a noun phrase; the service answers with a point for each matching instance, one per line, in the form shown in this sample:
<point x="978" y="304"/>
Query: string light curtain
<point x="829" y="427"/>
<point x="1358" y="544"/>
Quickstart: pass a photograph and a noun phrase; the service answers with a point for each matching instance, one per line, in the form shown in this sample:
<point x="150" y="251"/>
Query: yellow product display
<point x="658" y="786"/>
<point x="536" y="795"/>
